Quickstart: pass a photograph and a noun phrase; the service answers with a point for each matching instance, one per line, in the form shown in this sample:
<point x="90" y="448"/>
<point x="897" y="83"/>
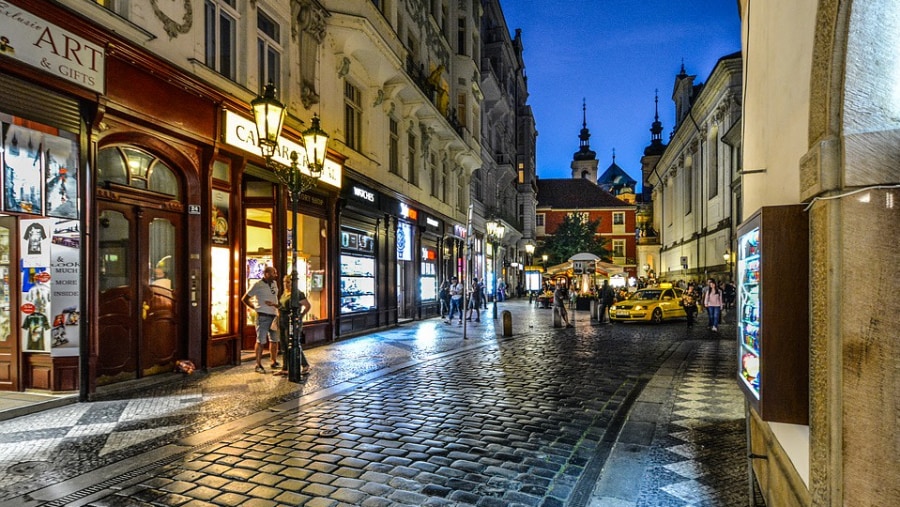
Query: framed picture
<point x="61" y="176"/>
<point x="22" y="170"/>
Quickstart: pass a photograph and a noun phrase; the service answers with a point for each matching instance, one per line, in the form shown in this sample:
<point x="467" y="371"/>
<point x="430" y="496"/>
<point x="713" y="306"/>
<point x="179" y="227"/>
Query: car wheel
<point x="657" y="316"/>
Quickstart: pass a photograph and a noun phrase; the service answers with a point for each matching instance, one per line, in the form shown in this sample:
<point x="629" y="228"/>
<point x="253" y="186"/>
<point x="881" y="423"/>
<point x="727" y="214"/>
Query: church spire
<point x="656" y="146"/>
<point x="584" y="146"/>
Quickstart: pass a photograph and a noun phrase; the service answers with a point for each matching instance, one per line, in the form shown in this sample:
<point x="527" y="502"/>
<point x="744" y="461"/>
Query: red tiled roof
<point x="574" y="193"/>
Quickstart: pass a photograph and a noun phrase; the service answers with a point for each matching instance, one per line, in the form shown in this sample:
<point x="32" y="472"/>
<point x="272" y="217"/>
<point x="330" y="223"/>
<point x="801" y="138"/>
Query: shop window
<point x="310" y="263"/>
<point x="136" y="168"/>
<point x="357" y="271"/>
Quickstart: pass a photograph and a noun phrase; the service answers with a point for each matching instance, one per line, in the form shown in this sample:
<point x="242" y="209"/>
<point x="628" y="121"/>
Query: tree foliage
<point x="574" y="235"/>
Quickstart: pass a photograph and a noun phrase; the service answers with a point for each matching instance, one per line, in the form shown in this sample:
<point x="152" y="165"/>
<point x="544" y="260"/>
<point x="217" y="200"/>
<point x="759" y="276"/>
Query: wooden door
<point x="9" y="341"/>
<point x="141" y="295"/>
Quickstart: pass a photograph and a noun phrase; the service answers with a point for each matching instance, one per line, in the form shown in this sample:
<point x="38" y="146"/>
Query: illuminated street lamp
<point x="529" y="251"/>
<point x="268" y="113"/>
<point x="728" y="257"/>
<point x="495" y="231"/>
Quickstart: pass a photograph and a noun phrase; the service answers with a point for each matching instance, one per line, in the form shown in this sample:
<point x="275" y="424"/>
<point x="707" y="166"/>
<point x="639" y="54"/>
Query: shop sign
<point x="361" y="193"/>
<point x="241" y="133"/>
<point x="33" y="41"/>
<point x="432" y="222"/>
<point x="459" y="231"/>
<point x="407" y="212"/>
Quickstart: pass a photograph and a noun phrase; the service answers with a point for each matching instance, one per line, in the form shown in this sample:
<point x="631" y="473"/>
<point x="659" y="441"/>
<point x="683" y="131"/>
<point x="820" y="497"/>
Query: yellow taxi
<point x="654" y="304"/>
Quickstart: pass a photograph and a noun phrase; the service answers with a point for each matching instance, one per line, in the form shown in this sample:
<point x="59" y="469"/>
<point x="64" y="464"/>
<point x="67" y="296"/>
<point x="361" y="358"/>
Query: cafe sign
<point x="33" y="41"/>
<point x="241" y="133"/>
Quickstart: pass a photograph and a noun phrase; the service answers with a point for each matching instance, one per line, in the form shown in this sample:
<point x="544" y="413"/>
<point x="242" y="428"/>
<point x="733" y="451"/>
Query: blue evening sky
<point x="614" y="54"/>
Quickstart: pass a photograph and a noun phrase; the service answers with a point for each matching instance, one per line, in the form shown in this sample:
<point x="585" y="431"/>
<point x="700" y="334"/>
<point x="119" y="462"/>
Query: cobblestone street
<point x="599" y="415"/>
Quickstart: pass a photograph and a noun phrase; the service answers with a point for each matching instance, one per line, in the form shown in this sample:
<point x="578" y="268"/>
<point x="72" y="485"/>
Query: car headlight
<point x="638" y="307"/>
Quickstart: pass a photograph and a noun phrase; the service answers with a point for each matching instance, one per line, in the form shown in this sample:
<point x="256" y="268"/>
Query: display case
<point x="357" y="283"/>
<point x="428" y="275"/>
<point x="773" y="313"/>
<point x="256" y="265"/>
<point x="220" y="291"/>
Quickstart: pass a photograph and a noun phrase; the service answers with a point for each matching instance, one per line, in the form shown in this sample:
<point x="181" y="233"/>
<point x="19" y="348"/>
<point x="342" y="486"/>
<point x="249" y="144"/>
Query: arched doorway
<point x="140" y="249"/>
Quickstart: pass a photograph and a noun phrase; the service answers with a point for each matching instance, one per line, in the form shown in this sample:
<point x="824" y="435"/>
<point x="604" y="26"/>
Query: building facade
<point x="693" y="191"/>
<point x="153" y="210"/>
<point x="503" y="189"/>
<point x="820" y="132"/>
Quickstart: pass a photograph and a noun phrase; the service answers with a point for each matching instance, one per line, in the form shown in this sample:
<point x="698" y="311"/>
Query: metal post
<point x="292" y="355"/>
<point x="494" y="249"/>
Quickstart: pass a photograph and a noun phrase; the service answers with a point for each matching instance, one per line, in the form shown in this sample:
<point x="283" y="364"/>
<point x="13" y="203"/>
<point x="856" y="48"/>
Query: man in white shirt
<point x="262" y="297"/>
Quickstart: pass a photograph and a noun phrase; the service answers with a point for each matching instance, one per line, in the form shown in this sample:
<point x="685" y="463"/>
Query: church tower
<point x="584" y="162"/>
<point x="652" y="153"/>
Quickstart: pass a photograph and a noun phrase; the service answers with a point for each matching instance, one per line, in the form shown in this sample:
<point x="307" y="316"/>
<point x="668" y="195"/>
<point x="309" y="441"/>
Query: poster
<point x="51" y="278"/>
<point x="65" y="284"/>
<point x="35" y="302"/>
<point x="22" y="170"/>
<point x="220" y="225"/>
<point x="61" y="161"/>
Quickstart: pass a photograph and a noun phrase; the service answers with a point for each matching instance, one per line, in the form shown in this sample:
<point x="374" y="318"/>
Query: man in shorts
<point x="262" y="297"/>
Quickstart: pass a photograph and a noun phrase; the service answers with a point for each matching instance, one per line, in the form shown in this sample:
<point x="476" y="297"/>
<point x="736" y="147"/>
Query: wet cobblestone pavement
<point x="620" y="415"/>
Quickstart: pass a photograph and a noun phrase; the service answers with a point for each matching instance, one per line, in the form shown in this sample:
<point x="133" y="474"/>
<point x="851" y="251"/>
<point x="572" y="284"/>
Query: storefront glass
<point x="310" y="264"/>
<point x="357" y="270"/>
<point x="428" y="279"/>
<point x="220" y="268"/>
<point x="258" y="233"/>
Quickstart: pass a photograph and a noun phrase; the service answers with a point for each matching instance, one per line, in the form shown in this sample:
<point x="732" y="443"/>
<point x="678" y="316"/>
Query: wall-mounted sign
<point x="241" y="133"/>
<point x="47" y="47"/>
<point x="362" y="193"/>
<point x="407" y="212"/>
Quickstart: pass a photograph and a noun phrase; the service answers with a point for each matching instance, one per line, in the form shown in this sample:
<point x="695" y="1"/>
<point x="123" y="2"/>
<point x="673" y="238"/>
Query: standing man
<point x="607" y="297"/>
<point x="262" y="297"/>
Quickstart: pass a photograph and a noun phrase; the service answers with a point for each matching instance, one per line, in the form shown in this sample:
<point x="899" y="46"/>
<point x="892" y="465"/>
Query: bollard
<point x="594" y="310"/>
<point x="507" y="323"/>
<point x="557" y="318"/>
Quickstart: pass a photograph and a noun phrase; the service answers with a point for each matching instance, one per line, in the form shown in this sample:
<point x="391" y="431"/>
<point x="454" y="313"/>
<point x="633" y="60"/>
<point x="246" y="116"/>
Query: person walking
<point x="730" y="290"/>
<point x="713" y="303"/>
<point x="607" y="297"/>
<point x="444" y="296"/>
<point x="476" y="296"/>
<point x="560" y="296"/>
<point x="262" y="297"/>
<point x="689" y="302"/>
<point x="284" y="326"/>
<point x="456" y="293"/>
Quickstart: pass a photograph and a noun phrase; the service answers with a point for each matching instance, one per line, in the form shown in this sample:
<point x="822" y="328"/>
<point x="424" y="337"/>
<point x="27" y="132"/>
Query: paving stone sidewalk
<point x="413" y="416"/>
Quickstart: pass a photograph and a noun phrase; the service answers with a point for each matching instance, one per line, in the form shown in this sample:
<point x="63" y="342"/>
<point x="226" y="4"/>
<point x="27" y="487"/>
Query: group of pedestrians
<point x="273" y="323"/>
<point x="451" y="295"/>
<point x="711" y="297"/>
